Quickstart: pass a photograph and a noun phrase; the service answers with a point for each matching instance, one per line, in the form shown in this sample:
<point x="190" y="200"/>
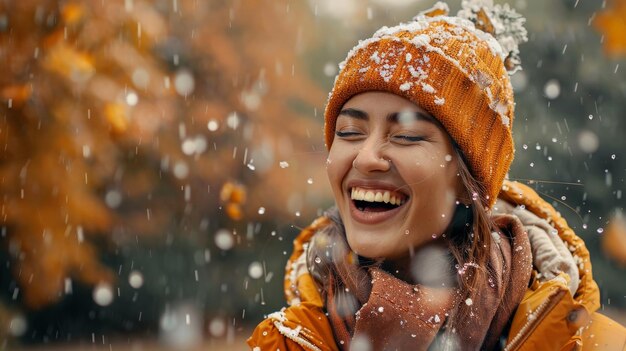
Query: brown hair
<point x="339" y="270"/>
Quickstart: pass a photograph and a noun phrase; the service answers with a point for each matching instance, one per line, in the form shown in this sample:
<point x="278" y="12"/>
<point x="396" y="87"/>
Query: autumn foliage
<point x="125" y="118"/>
<point x="612" y="25"/>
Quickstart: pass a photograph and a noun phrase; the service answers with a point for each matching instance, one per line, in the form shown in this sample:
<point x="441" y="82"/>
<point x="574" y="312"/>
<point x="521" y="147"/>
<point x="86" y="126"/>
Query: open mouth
<point x="371" y="200"/>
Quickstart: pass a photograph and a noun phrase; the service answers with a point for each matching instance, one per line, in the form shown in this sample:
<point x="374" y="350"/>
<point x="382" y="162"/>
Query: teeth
<point x="376" y="196"/>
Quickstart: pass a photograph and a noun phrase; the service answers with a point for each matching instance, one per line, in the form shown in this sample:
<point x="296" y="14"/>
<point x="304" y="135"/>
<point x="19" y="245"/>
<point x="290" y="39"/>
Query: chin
<point x="369" y="246"/>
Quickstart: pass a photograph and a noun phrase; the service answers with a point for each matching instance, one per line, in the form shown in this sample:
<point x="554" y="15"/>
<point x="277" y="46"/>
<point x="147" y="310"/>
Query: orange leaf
<point x="232" y="192"/>
<point x="234" y="211"/>
<point x="238" y="195"/>
<point x="17" y="93"/>
<point x="612" y="24"/>
<point x="69" y="63"/>
<point x="117" y="115"/>
<point x="72" y="13"/>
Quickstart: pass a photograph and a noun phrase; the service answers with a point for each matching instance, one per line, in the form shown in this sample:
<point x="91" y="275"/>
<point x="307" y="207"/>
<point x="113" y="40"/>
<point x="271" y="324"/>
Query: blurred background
<point x="157" y="158"/>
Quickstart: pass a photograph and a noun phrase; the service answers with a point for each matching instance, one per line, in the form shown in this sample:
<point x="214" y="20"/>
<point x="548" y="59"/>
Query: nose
<point x="371" y="158"/>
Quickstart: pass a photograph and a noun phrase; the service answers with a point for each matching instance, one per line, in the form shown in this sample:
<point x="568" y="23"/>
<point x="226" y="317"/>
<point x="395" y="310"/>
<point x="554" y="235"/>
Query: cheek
<point x="434" y="183"/>
<point x="415" y="167"/>
<point x="436" y="168"/>
<point x="338" y="164"/>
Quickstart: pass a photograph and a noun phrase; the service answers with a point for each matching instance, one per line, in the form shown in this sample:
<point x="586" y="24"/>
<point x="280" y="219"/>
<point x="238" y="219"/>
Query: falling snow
<point x="117" y="147"/>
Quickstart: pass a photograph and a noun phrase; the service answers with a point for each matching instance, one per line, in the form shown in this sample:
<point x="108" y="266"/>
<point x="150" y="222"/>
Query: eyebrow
<point x="392" y="117"/>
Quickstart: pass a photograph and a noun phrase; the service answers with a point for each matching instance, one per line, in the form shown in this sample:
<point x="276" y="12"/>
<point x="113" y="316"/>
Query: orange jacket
<point x="548" y="318"/>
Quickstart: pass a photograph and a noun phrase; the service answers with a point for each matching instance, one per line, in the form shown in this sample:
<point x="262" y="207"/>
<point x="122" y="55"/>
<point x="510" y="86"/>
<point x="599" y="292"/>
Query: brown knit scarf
<point x="390" y="314"/>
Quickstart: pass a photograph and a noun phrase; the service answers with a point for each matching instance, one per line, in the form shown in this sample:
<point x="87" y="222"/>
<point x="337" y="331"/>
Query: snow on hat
<point x="454" y="68"/>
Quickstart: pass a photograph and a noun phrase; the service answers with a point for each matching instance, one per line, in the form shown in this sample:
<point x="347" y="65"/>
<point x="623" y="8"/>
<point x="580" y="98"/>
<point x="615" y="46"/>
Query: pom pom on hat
<point x="503" y="23"/>
<point x="454" y="70"/>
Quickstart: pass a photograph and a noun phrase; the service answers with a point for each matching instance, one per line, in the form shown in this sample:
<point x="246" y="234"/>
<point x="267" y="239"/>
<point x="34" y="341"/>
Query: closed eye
<point x="408" y="138"/>
<point x="346" y="134"/>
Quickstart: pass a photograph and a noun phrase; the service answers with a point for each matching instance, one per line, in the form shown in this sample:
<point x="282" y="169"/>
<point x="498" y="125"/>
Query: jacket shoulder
<point x="299" y="327"/>
<point x="549" y="317"/>
<point x="588" y="294"/>
<point x="303" y="325"/>
<point x="298" y="284"/>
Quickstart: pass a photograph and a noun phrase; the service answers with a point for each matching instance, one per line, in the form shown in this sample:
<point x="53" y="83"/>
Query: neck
<point x="430" y="265"/>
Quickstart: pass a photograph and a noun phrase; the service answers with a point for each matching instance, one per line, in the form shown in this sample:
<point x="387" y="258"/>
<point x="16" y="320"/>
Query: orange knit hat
<point x="451" y="69"/>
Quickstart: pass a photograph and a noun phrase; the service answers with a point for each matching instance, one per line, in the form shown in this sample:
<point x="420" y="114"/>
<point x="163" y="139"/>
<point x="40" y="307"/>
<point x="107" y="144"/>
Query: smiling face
<point x="394" y="175"/>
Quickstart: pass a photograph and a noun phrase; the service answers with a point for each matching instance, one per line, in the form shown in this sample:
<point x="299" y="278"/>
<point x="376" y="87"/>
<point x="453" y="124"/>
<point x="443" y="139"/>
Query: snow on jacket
<point x="558" y="311"/>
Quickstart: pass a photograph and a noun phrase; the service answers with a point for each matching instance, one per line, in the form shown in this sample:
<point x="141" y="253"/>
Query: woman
<point x="428" y="246"/>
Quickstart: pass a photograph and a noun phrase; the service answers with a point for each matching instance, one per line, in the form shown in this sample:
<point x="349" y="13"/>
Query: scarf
<point x="387" y="313"/>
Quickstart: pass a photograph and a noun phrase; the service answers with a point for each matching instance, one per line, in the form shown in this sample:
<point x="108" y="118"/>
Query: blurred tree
<point x="126" y="118"/>
<point x="569" y="125"/>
